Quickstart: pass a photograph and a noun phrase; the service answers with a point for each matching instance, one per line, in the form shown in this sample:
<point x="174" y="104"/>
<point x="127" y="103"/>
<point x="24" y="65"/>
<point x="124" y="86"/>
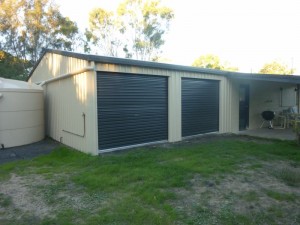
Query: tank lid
<point x="17" y="84"/>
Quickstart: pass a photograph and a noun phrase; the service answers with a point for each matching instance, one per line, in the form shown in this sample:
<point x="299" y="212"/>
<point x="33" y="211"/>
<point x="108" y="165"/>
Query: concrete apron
<point x="281" y="134"/>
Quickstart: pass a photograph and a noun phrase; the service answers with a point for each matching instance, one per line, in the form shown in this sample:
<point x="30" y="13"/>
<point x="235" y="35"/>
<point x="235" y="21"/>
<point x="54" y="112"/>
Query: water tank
<point x="21" y="113"/>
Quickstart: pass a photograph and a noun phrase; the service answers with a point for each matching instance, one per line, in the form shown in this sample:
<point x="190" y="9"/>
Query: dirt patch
<point x="39" y="198"/>
<point x="254" y="194"/>
<point x="17" y="189"/>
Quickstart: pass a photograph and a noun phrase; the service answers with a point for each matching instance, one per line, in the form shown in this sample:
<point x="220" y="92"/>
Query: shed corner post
<point x="94" y="121"/>
<point x="231" y="106"/>
<point x="225" y="101"/>
<point x="174" y="101"/>
<point x="223" y="107"/>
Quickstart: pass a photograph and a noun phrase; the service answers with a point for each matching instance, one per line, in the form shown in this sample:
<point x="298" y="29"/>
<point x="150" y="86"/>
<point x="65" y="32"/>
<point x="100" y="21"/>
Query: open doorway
<point x="243" y="107"/>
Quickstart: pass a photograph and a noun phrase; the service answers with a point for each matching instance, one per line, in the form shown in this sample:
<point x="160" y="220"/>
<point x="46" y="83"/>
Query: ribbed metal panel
<point x="132" y="109"/>
<point x="229" y="98"/>
<point x="200" y="106"/>
<point x="53" y="65"/>
<point x="67" y="99"/>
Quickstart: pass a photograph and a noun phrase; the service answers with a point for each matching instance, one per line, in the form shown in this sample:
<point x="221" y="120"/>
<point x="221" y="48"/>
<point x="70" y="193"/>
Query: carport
<point x="258" y="93"/>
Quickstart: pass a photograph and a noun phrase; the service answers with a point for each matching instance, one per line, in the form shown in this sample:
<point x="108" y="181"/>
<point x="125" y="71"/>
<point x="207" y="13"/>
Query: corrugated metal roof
<point x="266" y="77"/>
<point x="147" y="64"/>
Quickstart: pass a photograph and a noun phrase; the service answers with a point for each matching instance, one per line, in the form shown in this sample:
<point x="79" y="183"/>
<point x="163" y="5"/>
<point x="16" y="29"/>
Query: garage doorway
<point x="244" y="107"/>
<point x="200" y="106"/>
<point x="132" y="109"/>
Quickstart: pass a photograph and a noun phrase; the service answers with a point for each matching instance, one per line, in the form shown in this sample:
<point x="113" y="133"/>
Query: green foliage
<point x="276" y="67"/>
<point x="137" y="29"/>
<point x="27" y="26"/>
<point x="208" y="61"/>
<point x="296" y="130"/>
<point x="291" y="176"/>
<point x="5" y="201"/>
<point x="104" y="32"/>
<point x="139" y="186"/>
<point x="147" y="22"/>
<point x="211" y="61"/>
<point x="281" y="196"/>
<point x="250" y="196"/>
<point x="12" y="67"/>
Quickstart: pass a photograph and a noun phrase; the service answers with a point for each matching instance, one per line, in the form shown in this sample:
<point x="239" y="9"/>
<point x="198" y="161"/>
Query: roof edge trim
<point x="166" y="66"/>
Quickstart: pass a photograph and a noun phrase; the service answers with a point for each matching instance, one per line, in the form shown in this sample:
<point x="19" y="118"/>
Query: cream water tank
<point x="21" y="113"/>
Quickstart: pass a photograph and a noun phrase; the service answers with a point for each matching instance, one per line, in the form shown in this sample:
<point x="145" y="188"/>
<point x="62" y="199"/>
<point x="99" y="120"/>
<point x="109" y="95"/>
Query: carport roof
<point x="266" y="77"/>
<point x="139" y="63"/>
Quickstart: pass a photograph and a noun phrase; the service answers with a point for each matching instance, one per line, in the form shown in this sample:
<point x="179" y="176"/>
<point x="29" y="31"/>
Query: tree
<point x="11" y="67"/>
<point x="137" y="29"/>
<point x="145" y="23"/>
<point x="28" y="26"/>
<point x="211" y="61"/>
<point x="104" y="31"/>
<point x="276" y="67"/>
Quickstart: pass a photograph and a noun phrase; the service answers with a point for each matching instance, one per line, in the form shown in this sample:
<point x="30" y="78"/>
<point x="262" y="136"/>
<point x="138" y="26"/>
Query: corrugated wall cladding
<point x="67" y="99"/>
<point x="131" y="109"/>
<point x="232" y="99"/>
<point x="200" y="106"/>
<point x="228" y="95"/>
<point x="66" y="102"/>
<point x="54" y="65"/>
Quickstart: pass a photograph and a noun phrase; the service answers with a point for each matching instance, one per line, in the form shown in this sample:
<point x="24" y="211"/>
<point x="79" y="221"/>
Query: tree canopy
<point x="276" y="67"/>
<point x="12" y="67"/>
<point x="28" y="26"/>
<point x="104" y="32"/>
<point x="211" y="61"/>
<point x="135" y="30"/>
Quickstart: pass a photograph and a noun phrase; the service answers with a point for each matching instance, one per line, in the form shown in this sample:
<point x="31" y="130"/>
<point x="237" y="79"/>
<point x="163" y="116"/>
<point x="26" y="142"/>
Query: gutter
<point x="84" y="69"/>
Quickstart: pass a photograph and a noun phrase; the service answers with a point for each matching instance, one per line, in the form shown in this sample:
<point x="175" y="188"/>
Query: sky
<point x="246" y="33"/>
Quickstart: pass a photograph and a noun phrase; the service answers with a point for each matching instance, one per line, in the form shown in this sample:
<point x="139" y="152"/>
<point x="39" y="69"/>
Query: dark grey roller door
<point x="200" y="106"/>
<point x="132" y="109"/>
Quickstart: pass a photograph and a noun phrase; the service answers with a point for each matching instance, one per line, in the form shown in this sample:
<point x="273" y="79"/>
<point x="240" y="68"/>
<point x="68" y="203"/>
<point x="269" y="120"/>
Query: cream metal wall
<point x="66" y="101"/>
<point x="228" y="96"/>
<point x="54" y="65"/>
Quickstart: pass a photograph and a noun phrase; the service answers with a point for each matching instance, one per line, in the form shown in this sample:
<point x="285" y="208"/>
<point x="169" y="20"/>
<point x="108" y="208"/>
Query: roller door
<point x="132" y="109"/>
<point x="200" y="106"/>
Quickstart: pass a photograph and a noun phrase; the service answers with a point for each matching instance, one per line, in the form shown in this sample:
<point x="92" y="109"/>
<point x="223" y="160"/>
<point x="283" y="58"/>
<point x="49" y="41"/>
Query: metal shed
<point x="99" y="104"/>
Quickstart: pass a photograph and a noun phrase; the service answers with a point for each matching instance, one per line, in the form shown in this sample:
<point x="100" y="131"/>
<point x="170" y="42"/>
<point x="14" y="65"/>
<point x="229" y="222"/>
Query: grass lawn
<point x="234" y="180"/>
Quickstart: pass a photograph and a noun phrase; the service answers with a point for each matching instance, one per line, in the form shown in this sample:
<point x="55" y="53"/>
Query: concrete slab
<point x="27" y="151"/>
<point x="281" y="134"/>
